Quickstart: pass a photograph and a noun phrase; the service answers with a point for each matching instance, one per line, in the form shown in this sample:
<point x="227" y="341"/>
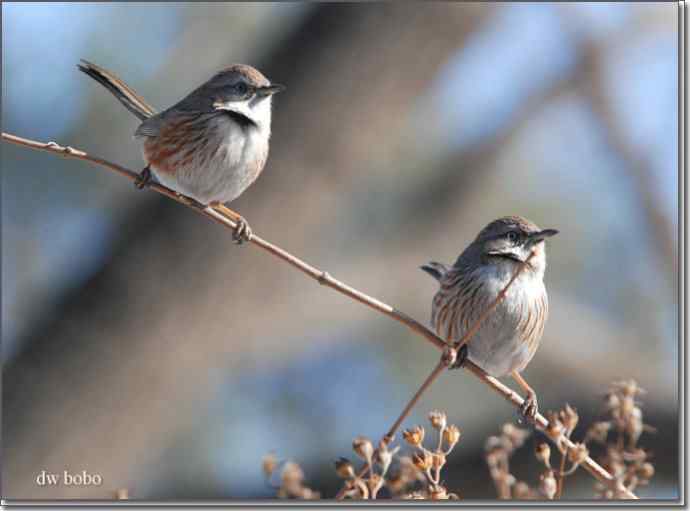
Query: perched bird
<point x="509" y="337"/>
<point x="211" y="145"/>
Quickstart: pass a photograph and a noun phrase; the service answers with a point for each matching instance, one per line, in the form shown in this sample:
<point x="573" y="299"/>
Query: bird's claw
<point x="455" y="358"/>
<point x="242" y="231"/>
<point x="529" y="408"/>
<point x="143" y="179"/>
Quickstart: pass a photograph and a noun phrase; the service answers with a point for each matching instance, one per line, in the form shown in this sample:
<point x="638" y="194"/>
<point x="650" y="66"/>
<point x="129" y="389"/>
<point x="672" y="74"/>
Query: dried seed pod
<point x="543" y="454"/>
<point x="598" y="432"/>
<point x="508" y="429"/>
<point x="548" y="485"/>
<point x="344" y="468"/>
<point x="451" y="435"/>
<point x="438" y="460"/>
<point x="630" y="388"/>
<point x="414" y="436"/>
<point x="291" y="475"/>
<point x="268" y="464"/>
<point x="492" y="443"/>
<point x="569" y="418"/>
<point x="422" y="460"/>
<point x="438" y="492"/>
<point x="555" y="427"/>
<point x="438" y="419"/>
<point x="646" y="470"/>
<point x="612" y="400"/>
<point x="363" y="448"/>
<point x="513" y="436"/>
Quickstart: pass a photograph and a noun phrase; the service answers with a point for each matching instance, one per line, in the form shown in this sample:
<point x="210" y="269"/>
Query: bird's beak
<point x="536" y="237"/>
<point x="269" y="90"/>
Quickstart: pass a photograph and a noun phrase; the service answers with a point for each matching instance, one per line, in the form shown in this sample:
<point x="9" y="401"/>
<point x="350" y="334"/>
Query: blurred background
<point x="141" y="344"/>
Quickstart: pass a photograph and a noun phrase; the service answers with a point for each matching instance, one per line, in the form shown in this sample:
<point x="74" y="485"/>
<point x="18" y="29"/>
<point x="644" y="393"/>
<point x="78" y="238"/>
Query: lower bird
<point x="212" y="144"/>
<point x="509" y="337"/>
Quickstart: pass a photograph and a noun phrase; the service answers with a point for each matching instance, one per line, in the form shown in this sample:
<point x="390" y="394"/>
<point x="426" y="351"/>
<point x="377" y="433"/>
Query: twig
<point x="440" y="367"/>
<point x="561" y="474"/>
<point x="325" y="279"/>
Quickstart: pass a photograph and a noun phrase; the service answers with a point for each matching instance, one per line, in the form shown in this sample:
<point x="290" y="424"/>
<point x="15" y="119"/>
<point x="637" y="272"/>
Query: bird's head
<point x="242" y="90"/>
<point x="511" y="240"/>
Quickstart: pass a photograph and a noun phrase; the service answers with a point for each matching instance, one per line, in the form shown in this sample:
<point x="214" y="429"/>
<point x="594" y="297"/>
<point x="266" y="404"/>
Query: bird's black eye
<point x="241" y="88"/>
<point x="513" y="236"/>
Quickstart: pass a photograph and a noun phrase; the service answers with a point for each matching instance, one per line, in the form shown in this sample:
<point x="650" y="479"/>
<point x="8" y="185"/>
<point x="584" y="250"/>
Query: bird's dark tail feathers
<point x="436" y="270"/>
<point x="130" y="99"/>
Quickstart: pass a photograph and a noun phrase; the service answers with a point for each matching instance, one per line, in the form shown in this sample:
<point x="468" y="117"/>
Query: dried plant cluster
<point x="618" y="435"/>
<point x="384" y="473"/>
<point x="430" y="461"/>
<point x="368" y="483"/>
<point x="414" y="476"/>
<point x="499" y="449"/>
<point x="291" y="479"/>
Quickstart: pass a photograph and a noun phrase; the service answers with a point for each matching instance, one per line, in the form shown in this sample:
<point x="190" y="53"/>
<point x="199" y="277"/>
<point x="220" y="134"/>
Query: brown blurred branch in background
<point x="590" y="82"/>
<point x="325" y="279"/>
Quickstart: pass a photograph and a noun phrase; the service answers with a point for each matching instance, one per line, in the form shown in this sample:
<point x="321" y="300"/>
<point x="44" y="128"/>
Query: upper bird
<point x="211" y="145"/>
<point x="508" y="339"/>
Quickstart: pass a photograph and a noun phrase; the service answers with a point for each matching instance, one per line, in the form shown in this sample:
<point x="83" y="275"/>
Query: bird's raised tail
<point x="132" y="101"/>
<point x="436" y="270"/>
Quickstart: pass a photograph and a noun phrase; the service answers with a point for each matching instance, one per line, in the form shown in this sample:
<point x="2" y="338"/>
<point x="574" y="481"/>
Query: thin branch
<point x="561" y="474"/>
<point x="325" y="279"/>
<point x="440" y="367"/>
